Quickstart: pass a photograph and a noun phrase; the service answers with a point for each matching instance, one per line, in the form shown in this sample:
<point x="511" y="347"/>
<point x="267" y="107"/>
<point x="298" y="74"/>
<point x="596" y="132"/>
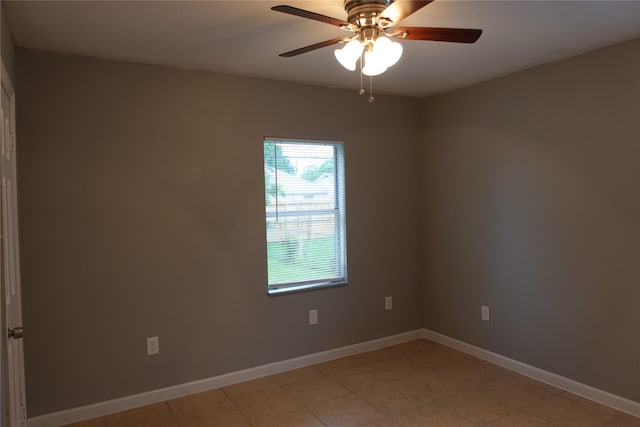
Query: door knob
<point x="16" y="332"/>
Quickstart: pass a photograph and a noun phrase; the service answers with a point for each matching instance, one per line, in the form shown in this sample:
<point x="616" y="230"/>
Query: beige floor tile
<point x="301" y="418"/>
<point x="597" y="406"/>
<point x="627" y="419"/>
<point x="380" y="422"/>
<point x="428" y="416"/>
<point x="337" y="365"/>
<point x="202" y="421"/>
<point x="552" y="390"/>
<point x="438" y="383"/>
<point x="266" y="403"/>
<point x="619" y="422"/>
<point x="94" y="422"/>
<point x="156" y="415"/>
<point x="473" y="372"/>
<point x="348" y="412"/>
<point x="217" y="414"/>
<point x="520" y="419"/>
<point x="439" y="356"/>
<point x="297" y="376"/>
<point x="360" y="378"/>
<point x="405" y="365"/>
<point x="563" y="411"/>
<point x="374" y="356"/>
<point x="394" y="369"/>
<point x="316" y="391"/>
<point x="478" y="406"/>
<point x="195" y="403"/>
<point x="518" y="392"/>
<point x="530" y="380"/>
<point x="248" y="387"/>
<point x="397" y="396"/>
<point x="405" y="351"/>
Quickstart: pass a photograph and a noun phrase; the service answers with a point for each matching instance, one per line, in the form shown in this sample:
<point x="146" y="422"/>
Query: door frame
<point x="12" y="349"/>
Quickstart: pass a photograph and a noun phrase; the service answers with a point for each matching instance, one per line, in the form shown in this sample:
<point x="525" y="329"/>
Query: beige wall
<point x="141" y="203"/>
<point x="6" y="45"/>
<point x="532" y="206"/>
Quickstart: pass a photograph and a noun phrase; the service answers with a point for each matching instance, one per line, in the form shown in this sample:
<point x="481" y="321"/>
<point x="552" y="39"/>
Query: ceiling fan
<point x="374" y="24"/>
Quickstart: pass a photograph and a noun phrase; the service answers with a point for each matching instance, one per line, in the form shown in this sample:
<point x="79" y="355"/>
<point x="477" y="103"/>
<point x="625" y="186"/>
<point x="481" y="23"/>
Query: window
<point x="305" y="214"/>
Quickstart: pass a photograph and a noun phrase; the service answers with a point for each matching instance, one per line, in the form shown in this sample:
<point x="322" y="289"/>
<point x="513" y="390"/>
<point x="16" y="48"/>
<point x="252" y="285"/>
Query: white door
<point x="13" y="389"/>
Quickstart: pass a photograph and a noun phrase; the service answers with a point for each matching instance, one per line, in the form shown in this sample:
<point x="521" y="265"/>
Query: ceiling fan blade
<point x="313" y="47"/>
<point x="311" y="15"/>
<point x="400" y="9"/>
<point x="458" y="35"/>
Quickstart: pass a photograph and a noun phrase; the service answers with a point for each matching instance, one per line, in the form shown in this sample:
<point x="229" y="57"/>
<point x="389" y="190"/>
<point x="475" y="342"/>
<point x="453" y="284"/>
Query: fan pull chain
<point x="361" y="91"/>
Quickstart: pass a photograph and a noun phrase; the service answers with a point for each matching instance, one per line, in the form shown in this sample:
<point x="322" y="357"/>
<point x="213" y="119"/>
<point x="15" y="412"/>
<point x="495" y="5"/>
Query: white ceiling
<point x="245" y="37"/>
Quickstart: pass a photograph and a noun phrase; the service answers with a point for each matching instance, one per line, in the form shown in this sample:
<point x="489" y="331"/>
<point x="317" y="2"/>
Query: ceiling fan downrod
<point x="367" y="13"/>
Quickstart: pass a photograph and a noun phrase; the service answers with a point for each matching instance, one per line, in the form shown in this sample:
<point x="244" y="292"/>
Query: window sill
<point x="302" y="288"/>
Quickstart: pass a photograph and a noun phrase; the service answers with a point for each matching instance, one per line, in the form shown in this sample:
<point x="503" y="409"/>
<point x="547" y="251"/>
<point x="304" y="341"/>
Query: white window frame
<point x="339" y="211"/>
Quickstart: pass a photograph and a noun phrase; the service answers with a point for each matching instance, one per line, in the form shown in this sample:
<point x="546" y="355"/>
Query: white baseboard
<point x="588" y="392"/>
<point x="116" y="405"/>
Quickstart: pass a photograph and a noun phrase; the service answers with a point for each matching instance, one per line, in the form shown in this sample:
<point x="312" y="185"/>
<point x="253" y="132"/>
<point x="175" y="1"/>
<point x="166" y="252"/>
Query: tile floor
<point x="419" y="383"/>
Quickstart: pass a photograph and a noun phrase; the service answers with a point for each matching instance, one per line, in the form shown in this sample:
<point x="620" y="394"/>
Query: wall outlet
<point x="313" y="317"/>
<point x="153" y="346"/>
<point x="388" y="303"/>
<point x="484" y="313"/>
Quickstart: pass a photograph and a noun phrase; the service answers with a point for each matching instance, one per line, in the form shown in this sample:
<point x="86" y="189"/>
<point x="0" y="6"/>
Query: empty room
<point x="320" y="213"/>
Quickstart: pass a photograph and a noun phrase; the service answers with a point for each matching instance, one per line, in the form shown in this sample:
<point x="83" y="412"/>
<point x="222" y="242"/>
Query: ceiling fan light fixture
<point x="395" y="53"/>
<point x="374" y="64"/>
<point x="388" y="50"/>
<point x="348" y="56"/>
<point x="383" y="54"/>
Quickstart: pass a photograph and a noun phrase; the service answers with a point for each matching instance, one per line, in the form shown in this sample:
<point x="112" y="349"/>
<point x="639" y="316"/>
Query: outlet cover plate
<point x="153" y="346"/>
<point x="313" y="317"/>
<point x="484" y="313"/>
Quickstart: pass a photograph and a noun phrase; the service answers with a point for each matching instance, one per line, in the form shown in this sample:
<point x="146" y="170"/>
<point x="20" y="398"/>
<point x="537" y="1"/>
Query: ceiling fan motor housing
<point x="366" y="13"/>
